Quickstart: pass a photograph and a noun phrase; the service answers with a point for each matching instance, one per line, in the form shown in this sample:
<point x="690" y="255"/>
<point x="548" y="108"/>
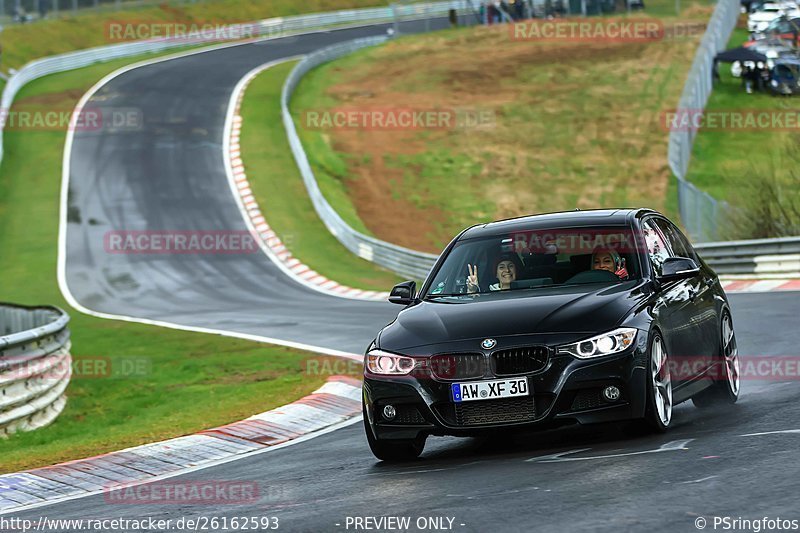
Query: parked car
<point x="759" y="20"/>
<point x="574" y="317"/>
<point x="785" y="77"/>
<point x="783" y="28"/>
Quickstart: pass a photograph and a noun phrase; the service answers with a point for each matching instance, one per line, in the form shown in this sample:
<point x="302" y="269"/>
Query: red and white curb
<point x="336" y="402"/>
<point x="760" y="285"/>
<point x="267" y="238"/>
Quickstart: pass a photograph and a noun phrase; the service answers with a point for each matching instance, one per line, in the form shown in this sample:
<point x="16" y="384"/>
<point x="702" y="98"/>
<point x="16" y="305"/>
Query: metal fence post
<point x="699" y="211"/>
<point x="396" y="15"/>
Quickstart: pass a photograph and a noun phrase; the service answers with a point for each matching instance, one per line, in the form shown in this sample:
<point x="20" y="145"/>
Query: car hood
<point x="577" y="309"/>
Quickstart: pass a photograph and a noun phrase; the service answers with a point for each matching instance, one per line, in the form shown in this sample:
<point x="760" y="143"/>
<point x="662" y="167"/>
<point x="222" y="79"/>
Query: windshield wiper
<point x="431" y="296"/>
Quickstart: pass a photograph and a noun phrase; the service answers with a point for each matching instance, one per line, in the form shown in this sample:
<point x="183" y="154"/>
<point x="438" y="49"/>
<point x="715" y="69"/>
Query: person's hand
<point x="622" y="272"/>
<point x="472" y="278"/>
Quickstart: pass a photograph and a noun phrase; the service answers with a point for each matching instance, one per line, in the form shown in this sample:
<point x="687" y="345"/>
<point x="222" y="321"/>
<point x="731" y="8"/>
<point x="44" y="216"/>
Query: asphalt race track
<point x="706" y="467"/>
<point x="171" y="176"/>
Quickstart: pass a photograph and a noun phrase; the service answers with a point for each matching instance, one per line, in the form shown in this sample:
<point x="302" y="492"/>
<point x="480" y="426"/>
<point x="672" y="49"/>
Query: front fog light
<point x="611" y="393"/>
<point x="389" y="412"/>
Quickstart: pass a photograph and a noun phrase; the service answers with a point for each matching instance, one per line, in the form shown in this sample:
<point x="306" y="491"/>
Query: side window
<point x="676" y="243"/>
<point x="656" y="247"/>
<point x="689" y="248"/>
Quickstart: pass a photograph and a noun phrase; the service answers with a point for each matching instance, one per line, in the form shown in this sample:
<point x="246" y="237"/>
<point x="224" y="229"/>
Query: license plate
<point x="489" y="390"/>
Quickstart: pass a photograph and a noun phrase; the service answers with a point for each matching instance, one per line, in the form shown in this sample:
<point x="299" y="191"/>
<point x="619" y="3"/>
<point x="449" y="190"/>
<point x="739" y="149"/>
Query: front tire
<point x="393" y="450"/>
<point x="724" y="389"/>
<point x="658" y="404"/>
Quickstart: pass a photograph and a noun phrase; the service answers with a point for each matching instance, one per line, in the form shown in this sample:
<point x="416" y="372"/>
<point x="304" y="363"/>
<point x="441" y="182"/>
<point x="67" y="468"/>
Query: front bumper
<point x="566" y="391"/>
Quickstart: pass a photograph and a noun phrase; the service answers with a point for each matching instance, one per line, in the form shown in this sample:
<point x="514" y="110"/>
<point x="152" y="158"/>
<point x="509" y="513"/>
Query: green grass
<point x="25" y="42"/>
<point x="722" y="159"/>
<point x="577" y="125"/>
<point x="193" y="381"/>
<point x="330" y="167"/>
<point x="279" y="189"/>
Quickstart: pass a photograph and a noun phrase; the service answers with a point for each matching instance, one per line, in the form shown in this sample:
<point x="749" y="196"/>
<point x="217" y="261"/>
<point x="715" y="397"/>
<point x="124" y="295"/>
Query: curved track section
<point x="737" y="462"/>
<point x="170" y="176"/>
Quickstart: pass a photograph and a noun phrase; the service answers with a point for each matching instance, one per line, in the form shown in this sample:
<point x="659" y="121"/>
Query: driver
<point x="610" y="260"/>
<point x="507" y="268"/>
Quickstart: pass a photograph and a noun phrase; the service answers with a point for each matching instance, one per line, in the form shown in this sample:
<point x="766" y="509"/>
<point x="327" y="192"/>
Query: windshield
<point x="787" y="72"/>
<point x="528" y="260"/>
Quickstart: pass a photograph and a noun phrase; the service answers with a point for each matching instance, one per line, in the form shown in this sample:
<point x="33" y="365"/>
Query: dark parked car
<point x="785" y="77"/>
<point x="575" y="317"/>
<point x="783" y="28"/>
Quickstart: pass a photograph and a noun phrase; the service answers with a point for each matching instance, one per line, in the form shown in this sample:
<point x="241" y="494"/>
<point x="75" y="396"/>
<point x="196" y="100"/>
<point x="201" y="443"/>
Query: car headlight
<point x="388" y="364"/>
<point x="612" y="342"/>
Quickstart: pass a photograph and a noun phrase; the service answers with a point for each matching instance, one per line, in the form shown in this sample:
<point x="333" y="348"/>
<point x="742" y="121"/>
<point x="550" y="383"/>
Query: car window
<point x="677" y="242"/>
<point x="656" y="247"/>
<point x="523" y="260"/>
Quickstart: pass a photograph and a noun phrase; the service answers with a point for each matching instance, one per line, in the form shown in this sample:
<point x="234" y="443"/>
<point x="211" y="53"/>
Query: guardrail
<point x="700" y="212"/>
<point x="759" y="258"/>
<point x="404" y="261"/>
<point x="35" y="366"/>
<point x="275" y="27"/>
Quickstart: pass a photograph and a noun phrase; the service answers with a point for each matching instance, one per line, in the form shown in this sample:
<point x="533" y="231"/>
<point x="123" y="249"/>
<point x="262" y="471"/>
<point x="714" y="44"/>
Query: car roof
<point x="561" y="219"/>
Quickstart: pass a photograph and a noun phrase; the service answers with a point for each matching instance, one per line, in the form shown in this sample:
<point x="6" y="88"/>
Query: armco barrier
<point x="35" y="366"/>
<point x="760" y="258"/>
<point x="768" y="258"/>
<point x="406" y="262"/>
<point x="275" y="27"/>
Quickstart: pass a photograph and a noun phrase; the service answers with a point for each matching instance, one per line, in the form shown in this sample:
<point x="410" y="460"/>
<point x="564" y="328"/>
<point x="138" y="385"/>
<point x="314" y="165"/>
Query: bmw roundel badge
<point x="488" y="344"/>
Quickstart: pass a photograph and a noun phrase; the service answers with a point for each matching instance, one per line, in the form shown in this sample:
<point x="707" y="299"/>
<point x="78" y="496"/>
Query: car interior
<point x="538" y="269"/>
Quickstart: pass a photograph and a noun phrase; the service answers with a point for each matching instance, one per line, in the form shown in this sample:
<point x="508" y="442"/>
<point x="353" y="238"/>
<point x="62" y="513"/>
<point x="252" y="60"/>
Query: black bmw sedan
<point x="575" y="317"/>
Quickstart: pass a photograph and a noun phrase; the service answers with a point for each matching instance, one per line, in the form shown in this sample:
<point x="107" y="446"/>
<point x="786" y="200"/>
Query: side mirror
<point x="403" y="293"/>
<point x="677" y="268"/>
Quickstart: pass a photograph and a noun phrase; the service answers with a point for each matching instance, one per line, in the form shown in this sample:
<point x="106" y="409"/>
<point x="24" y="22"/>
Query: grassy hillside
<point x="571" y="124"/>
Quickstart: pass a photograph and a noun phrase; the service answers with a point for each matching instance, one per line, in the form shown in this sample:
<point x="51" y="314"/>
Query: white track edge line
<point x="62" y="227"/>
<point x="238" y="92"/>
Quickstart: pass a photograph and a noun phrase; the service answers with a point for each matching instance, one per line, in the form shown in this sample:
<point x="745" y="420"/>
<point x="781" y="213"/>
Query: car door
<point x="702" y="291"/>
<point x="675" y="309"/>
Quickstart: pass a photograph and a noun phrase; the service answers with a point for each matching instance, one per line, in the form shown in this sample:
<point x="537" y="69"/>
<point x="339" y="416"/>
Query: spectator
<point x="519" y="10"/>
<point x="747" y="79"/>
<point x="20" y="15"/>
<point x="504" y="11"/>
<point x="763" y="80"/>
<point x="757" y="77"/>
